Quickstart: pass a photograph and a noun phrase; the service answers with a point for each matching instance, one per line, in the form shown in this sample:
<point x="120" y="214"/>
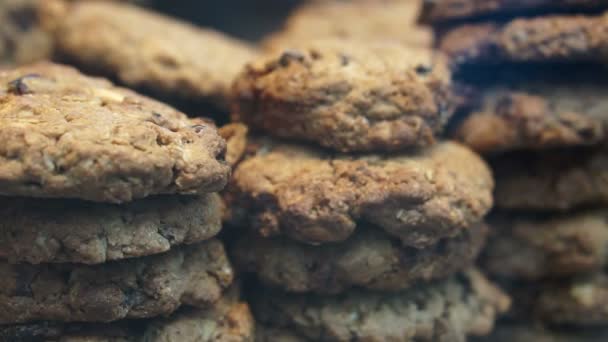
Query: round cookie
<point x="368" y="259"/>
<point x="556" y="38"/>
<point x="528" y="247"/>
<point x="538" y="110"/>
<point x="227" y="320"/>
<point x="147" y="50"/>
<point x="135" y="288"/>
<point x="556" y="180"/>
<point x="348" y="96"/>
<point x="445" y="311"/>
<point x="361" y="20"/>
<point x="315" y="196"/>
<point x="21" y="39"/>
<point x="441" y="11"/>
<point x="69" y="135"/>
<point x="57" y="231"/>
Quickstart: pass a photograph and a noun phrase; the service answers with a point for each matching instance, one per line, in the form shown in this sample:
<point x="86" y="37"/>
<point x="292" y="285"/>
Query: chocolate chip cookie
<point x="445" y="311"/>
<point x="315" y="196"/>
<point x="69" y="135"/>
<point x="347" y="96"/>
<point x="368" y="259"/>
<point x="135" y="288"/>
<point x="145" y="49"/>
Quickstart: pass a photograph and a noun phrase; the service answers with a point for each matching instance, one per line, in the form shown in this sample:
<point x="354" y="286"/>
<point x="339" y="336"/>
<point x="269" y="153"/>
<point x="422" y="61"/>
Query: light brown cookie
<point x="135" y="288"/>
<point x="235" y="135"/>
<point x="368" y="259"/>
<point x="145" y="49"/>
<point x="347" y="96"/>
<point x="69" y="135"/>
<point x="362" y="20"/>
<point x="445" y="311"/>
<point x="52" y="231"/>
<point x="314" y="196"/>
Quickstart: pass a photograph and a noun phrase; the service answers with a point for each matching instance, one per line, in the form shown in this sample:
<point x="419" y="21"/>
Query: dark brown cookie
<point x="438" y="11"/>
<point x="363" y="20"/>
<point x="556" y="180"/>
<point x="574" y="38"/>
<point x="145" y="49"/>
<point x="540" y="112"/>
<point x="531" y="247"/>
<point x="50" y="231"/>
<point x="445" y="311"/>
<point x="313" y="196"/>
<point x="368" y="259"/>
<point x="69" y="135"/>
<point x="347" y="96"/>
<point x="229" y="320"/>
<point x="135" y="288"/>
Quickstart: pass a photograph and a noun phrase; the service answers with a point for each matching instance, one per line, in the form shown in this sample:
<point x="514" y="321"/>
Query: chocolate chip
<point x="18" y="85"/>
<point x="290" y="55"/>
<point x="423" y="69"/>
<point x="198" y="128"/>
<point x="156" y="115"/>
<point x="344" y="59"/>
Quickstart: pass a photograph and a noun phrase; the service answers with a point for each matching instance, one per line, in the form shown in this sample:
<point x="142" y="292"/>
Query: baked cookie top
<point x="56" y="231"/>
<point x="448" y="310"/>
<point x="145" y="49"/>
<point x="136" y="288"/>
<point x="72" y="136"/>
<point x="347" y="96"/>
<point x="315" y="196"/>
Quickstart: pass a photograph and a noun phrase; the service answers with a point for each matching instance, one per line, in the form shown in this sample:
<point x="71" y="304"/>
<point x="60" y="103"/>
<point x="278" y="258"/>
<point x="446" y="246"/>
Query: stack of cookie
<point x="540" y="118"/>
<point x="362" y="225"/>
<point x="109" y="212"/>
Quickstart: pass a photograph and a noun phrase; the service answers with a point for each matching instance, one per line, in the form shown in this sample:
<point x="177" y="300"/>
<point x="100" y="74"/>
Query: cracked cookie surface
<point x="57" y="231"/>
<point x="347" y="96"/>
<point x="135" y="288"/>
<point x="69" y="135"/>
<point x="444" y="311"/>
<point x="315" y="196"/>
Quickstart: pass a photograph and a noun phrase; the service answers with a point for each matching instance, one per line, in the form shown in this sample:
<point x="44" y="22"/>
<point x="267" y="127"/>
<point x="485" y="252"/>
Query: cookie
<point x="556" y="180"/>
<point x="69" y="135"/>
<point x="532" y="247"/>
<point x="147" y="50"/>
<point x="362" y="20"/>
<point x="228" y="320"/>
<point x="136" y="288"/>
<point x="442" y="11"/>
<point x="539" y="112"/>
<point x="557" y="38"/>
<point x="235" y="135"/>
<point x="445" y="311"/>
<point x="21" y="39"/>
<point x="347" y="96"/>
<point x="314" y="196"/>
<point x="509" y="332"/>
<point x="368" y="259"/>
<point x="58" y="231"/>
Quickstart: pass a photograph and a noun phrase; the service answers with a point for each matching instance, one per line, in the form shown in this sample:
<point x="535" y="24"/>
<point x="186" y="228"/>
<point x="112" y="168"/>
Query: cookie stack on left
<point x="109" y="212"/>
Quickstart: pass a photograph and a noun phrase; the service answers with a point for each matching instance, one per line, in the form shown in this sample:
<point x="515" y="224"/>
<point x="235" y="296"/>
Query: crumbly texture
<point x="368" y="259"/>
<point x="528" y="247"/>
<point x="228" y="320"/>
<point x="530" y="332"/>
<point x="313" y="196"/>
<point x="552" y="181"/>
<point x="347" y="96"/>
<point x="69" y="135"/>
<point x="136" y="288"/>
<point x="441" y="11"/>
<point x="361" y="20"/>
<point x="21" y="39"/>
<point x="235" y="135"/>
<point x="574" y="38"/>
<point x="535" y="114"/>
<point x="50" y="231"/>
<point x="445" y="311"/>
<point x="145" y="49"/>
